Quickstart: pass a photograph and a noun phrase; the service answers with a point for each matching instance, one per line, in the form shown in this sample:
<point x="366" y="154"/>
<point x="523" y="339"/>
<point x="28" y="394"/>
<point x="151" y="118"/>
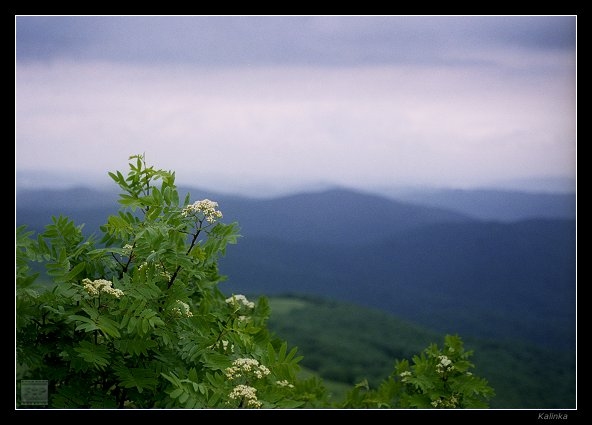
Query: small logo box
<point x="34" y="392"/>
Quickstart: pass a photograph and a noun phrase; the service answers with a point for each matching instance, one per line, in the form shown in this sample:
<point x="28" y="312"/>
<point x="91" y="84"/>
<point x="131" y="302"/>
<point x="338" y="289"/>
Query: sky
<point x="255" y="104"/>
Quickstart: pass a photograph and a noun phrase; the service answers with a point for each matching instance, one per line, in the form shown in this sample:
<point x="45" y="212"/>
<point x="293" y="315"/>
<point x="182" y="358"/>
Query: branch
<point x="193" y="241"/>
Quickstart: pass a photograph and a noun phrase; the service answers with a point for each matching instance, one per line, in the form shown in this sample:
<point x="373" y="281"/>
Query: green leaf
<point x="139" y="378"/>
<point x="191" y="403"/>
<point x="216" y="361"/>
<point x="109" y="327"/>
<point x="76" y="270"/>
<point x="183" y="397"/>
<point x="131" y="325"/>
<point x="83" y="319"/>
<point x="136" y="346"/>
<point x="145" y="326"/>
<point x="96" y="355"/>
<point x="290" y="404"/>
<point x="282" y="352"/>
<point x="176" y="393"/>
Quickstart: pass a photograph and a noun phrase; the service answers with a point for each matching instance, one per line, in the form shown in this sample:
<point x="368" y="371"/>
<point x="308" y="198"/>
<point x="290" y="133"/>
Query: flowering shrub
<point x="136" y="319"/>
<point x="438" y="378"/>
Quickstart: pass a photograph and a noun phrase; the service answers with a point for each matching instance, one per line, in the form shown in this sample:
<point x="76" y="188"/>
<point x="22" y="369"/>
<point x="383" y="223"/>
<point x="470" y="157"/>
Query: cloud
<point x="286" y="40"/>
<point x="225" y="100"/>
<point x="390" y="124"/>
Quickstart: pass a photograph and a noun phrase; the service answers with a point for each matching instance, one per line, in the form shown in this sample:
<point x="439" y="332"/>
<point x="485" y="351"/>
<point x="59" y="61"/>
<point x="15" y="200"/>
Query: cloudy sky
<point x="261" y="103"/>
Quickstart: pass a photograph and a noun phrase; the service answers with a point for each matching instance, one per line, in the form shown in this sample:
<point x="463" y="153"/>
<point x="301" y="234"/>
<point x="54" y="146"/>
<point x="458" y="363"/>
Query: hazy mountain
<point x="491" y="204"/>
<point x="541" y="184"/>
<point x="431" y="265"/>
<point x="334" y="216"/>
<point x="484" y="279"/>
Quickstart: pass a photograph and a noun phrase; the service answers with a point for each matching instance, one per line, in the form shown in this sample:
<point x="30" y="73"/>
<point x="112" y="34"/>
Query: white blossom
<point x="95" y="287"/>
<point x="284" y="383"/>
<point x="246" y="394"/>
<point x="182" y="309"/>
<point x="205" y="207"/>
<point x="444" y="360"/>
<point x="445" y="365"/>
<point x="245" y="366"/>
<point x="237" y="300"/>
<point x="159" y="267"/>
<point x="404" y="375"/>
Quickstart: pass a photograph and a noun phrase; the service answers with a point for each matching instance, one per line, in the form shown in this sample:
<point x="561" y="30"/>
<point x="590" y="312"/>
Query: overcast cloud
<point x="234" y="102"/>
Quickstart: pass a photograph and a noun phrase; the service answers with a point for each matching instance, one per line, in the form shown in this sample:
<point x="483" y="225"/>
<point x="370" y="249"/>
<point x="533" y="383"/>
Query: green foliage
<point x="436" y="378"/>
<point x="136" y="320"/>
<point x="345" y="343"/>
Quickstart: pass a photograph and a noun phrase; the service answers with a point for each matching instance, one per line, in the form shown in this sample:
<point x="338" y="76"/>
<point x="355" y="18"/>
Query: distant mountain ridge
<point x="484" y="279"/>
<point x="496" y="205"/>
<point x="405" y="207"/>
<point x="440" y="268"/>
<point x="334" y="216"/>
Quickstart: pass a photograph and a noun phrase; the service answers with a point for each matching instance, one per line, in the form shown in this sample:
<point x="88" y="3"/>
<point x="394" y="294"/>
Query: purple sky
<point x="238" y="103"/>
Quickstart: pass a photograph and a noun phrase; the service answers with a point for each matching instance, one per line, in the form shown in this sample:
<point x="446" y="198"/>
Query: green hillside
<point x="344" y="343"/>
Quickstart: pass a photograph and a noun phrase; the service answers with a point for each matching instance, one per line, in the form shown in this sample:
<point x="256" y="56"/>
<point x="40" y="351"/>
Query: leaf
<point x="216" y="361"/>
<point x="87" y="327"/>
<point x="422" y="382"/>
<point x="183" y="397"/>
<point x="136" y="346"/>
<point x="172" y="378"/>
<point x="145" y="326"/>
<point x="176" y="393"/>
<point x="191" y="403"/>
<point x="113" y="177"/>
<point x="109" y="327"/>
<point x="214" y="399"/>
<point x="76" y="270"/>
<point x="97" y="355"/>
<point x="139" y="378"/>
<point x="192" y="375"/>
<point x="132" y="324"/>
<point x="83" y="319"/>
<point x="290" y="404"/>
<point x="282" y="352"/>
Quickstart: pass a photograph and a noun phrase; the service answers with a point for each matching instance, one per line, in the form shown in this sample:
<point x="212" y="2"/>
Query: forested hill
<point x="345" y="343"/>
<point x="484" y="279"/>
<point x="439" y="268"/>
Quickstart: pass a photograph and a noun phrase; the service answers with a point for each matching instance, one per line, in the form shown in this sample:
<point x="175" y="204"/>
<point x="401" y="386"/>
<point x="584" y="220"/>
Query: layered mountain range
<point x="489" y="264"/>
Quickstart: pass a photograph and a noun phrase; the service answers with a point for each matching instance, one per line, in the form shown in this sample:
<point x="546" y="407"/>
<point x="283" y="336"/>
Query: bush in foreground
<point x="136" y="319"/>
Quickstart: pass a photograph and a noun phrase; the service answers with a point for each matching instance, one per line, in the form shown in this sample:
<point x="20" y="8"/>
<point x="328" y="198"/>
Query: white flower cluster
<point x="95" y="287"/>
<point x="284" y="383"/>
<point x="245" y="366"/>
<point x="205" y="207"/>
<point x="182" y="310"/>
<point x="405" y="375"/>
<point x="127" y="404"/>
<point x="225" y="345"/>
<point x="445" y="365"/>
<point x="127" y="249"/>
<point x="237" y="300"/>
<point x="451" y="402"/>
<point x="246" y="394"/>
<point x="159" y="267"/>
